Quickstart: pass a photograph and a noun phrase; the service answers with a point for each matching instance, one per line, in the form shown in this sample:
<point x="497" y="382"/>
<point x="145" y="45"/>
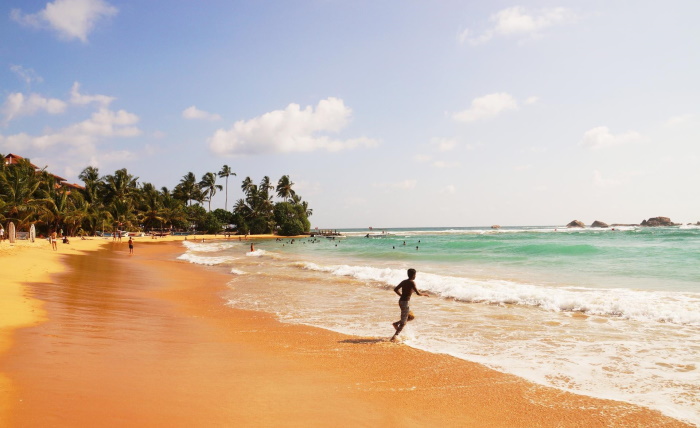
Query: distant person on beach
<point x="131" y="246"/>
<point x="53" y="238"/>
<point x="407" y="287"/>
<point x="252" y="248"/>
<point x="2" y="233"/>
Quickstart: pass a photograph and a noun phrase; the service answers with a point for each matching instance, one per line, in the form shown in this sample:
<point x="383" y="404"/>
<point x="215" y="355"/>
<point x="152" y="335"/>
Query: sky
<point x="383" y="113"/>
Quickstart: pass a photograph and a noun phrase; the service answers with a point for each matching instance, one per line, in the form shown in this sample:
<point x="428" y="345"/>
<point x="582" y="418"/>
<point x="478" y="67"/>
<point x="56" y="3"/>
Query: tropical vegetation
<point x="119" y="201"/>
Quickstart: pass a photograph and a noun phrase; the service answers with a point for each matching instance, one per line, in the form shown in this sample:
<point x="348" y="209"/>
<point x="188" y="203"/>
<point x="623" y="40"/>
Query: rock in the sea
<point x="496" y="226"/>
<point x="658" y="221"/>
<point x="599" y="223"/>
<point x="576" y="223"/>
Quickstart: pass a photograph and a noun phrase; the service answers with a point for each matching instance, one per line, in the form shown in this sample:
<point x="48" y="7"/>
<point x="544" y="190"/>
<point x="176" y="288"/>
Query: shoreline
<point x="178" y="307"/>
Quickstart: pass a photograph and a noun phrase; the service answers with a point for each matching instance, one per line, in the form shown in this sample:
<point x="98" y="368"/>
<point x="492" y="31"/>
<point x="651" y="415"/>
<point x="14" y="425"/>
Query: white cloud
<point x="601" y="137"/>
<point x="117" y="156"/>
<point x="27" y="74"/>
<point x="679" y="120"/>
<point x="195" y="113"/>
<point x="600" y="181"/>
<point x="308" y="188"/>
<point x="445" y="164"/>
<point x="289" y="130"/>
<point x="518" y="22"/>
<point x="422" y="158"/>
<point x="402" y="185"/>
<point x="449" y="189"/>
<point x="535" y="149"/>
<point x="463" y="36"/>
<point x="102" y="124"/>
<point x="17" y="104"/>
<point x="486" y="107"/>
<point x="444" y="144"/>
<point x="532" y="100"/>
<point x="72" y="19"/>
<point x="77" y="98"/>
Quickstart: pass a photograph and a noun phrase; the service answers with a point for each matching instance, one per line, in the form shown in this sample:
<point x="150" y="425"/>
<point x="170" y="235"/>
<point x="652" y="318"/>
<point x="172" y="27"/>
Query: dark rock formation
<point x="496" y="226"/>
<point x="599" y="223"/>
<point x="576" y="223"/>
<point x="658" y="221"/>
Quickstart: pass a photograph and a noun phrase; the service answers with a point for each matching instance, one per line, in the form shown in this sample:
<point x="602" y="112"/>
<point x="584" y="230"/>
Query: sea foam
<point x="208" y="261"/>
<point x="640" y="305"/>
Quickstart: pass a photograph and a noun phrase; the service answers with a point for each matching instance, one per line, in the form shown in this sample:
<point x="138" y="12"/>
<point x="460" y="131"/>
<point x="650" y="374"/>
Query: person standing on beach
<point x="131" y="246"/>
<point x="407" y="287"/>
<point x="53" y="240"/>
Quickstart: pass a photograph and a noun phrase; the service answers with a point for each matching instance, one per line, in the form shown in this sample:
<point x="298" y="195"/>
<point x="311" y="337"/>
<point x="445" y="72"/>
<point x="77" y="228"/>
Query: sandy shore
<point x="96" y="337"/>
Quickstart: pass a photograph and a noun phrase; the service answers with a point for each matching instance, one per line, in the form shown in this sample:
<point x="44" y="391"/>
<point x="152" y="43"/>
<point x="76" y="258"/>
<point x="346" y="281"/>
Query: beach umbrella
<point x="32" y="233"/>
<point x="11" y="232"/>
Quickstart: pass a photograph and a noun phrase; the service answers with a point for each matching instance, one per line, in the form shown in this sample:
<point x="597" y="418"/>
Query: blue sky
<point x="390" y="113"/>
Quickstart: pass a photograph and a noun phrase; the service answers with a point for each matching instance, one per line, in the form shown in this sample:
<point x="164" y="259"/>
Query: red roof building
<point x="12" y="159"/>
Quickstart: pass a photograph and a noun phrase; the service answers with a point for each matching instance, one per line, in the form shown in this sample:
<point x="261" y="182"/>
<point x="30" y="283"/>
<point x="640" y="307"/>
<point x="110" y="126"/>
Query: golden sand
<point x="111" y="339"/>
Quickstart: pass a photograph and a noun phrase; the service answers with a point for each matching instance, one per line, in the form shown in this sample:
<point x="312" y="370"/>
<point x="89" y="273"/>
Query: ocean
<point x="610" y="313"/>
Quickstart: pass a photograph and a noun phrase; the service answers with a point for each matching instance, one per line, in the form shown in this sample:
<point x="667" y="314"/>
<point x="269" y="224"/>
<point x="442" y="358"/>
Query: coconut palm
<point x="187" y="190"/>
<point x="121" y="186"/>
<point x="150" y="206"/>
<point x="20" y="191"/>
<point x="246" y="185"/>
<point x="284" y="188"/>
<point x="91" y="178"/>
<point x="226" y="171"/>
<point x="265" y="186"/>
<point x="209" y="187"/>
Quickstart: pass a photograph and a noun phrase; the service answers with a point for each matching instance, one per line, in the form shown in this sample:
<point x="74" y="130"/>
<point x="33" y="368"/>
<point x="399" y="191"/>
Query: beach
<point x="98" y="337"/>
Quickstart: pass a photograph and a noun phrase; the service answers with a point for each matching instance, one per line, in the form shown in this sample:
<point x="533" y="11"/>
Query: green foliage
<point x="291" y="219"/>
<point x="224" y="217"/>
<point x="211" y="224"/>
<point x="30" y="196"/>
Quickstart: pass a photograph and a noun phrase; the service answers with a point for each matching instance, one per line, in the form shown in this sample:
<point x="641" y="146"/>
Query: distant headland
<point x="652" y="222"/>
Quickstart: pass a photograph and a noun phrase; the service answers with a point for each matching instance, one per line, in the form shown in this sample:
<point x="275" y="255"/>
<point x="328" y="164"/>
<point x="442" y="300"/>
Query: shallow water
<point x="611" y="314"/>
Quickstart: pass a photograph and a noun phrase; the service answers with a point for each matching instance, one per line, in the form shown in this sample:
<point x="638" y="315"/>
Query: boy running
<point x="407" y="287"/>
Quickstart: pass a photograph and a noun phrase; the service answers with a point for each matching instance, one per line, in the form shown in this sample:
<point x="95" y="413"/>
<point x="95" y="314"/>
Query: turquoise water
<point x="644" y="258"/>
<point x="608" y="313"/>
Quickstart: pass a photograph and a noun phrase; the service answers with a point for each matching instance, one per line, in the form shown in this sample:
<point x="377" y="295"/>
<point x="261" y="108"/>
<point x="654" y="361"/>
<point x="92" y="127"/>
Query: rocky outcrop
<point x="576" y="223"/>
<point x="658" y="221"/>
<point x="599" y="223"/>
<point x="496" y="226"/>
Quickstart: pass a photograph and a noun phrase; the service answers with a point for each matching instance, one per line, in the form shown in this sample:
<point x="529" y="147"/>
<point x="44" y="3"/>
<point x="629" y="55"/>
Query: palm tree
<point x="118" y="193"/>
<point x="284" y="188"/>
<point x="91" y="178"/>
<point x="119" y="187"/>
<point x="209" y="186"/>
<point x="173" y="209"/>
<point x="246" y="185"/>
<point x="187" y="190"/>
<point x="226" y="171"/>
<point x="150" y="207"/>
<point x="20" y="191"/>
<point x="266" y="186"/>
<point x="58" y="205"/>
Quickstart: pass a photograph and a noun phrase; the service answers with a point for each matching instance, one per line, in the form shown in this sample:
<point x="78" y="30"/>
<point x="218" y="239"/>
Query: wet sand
<point x="145" y="340"/>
